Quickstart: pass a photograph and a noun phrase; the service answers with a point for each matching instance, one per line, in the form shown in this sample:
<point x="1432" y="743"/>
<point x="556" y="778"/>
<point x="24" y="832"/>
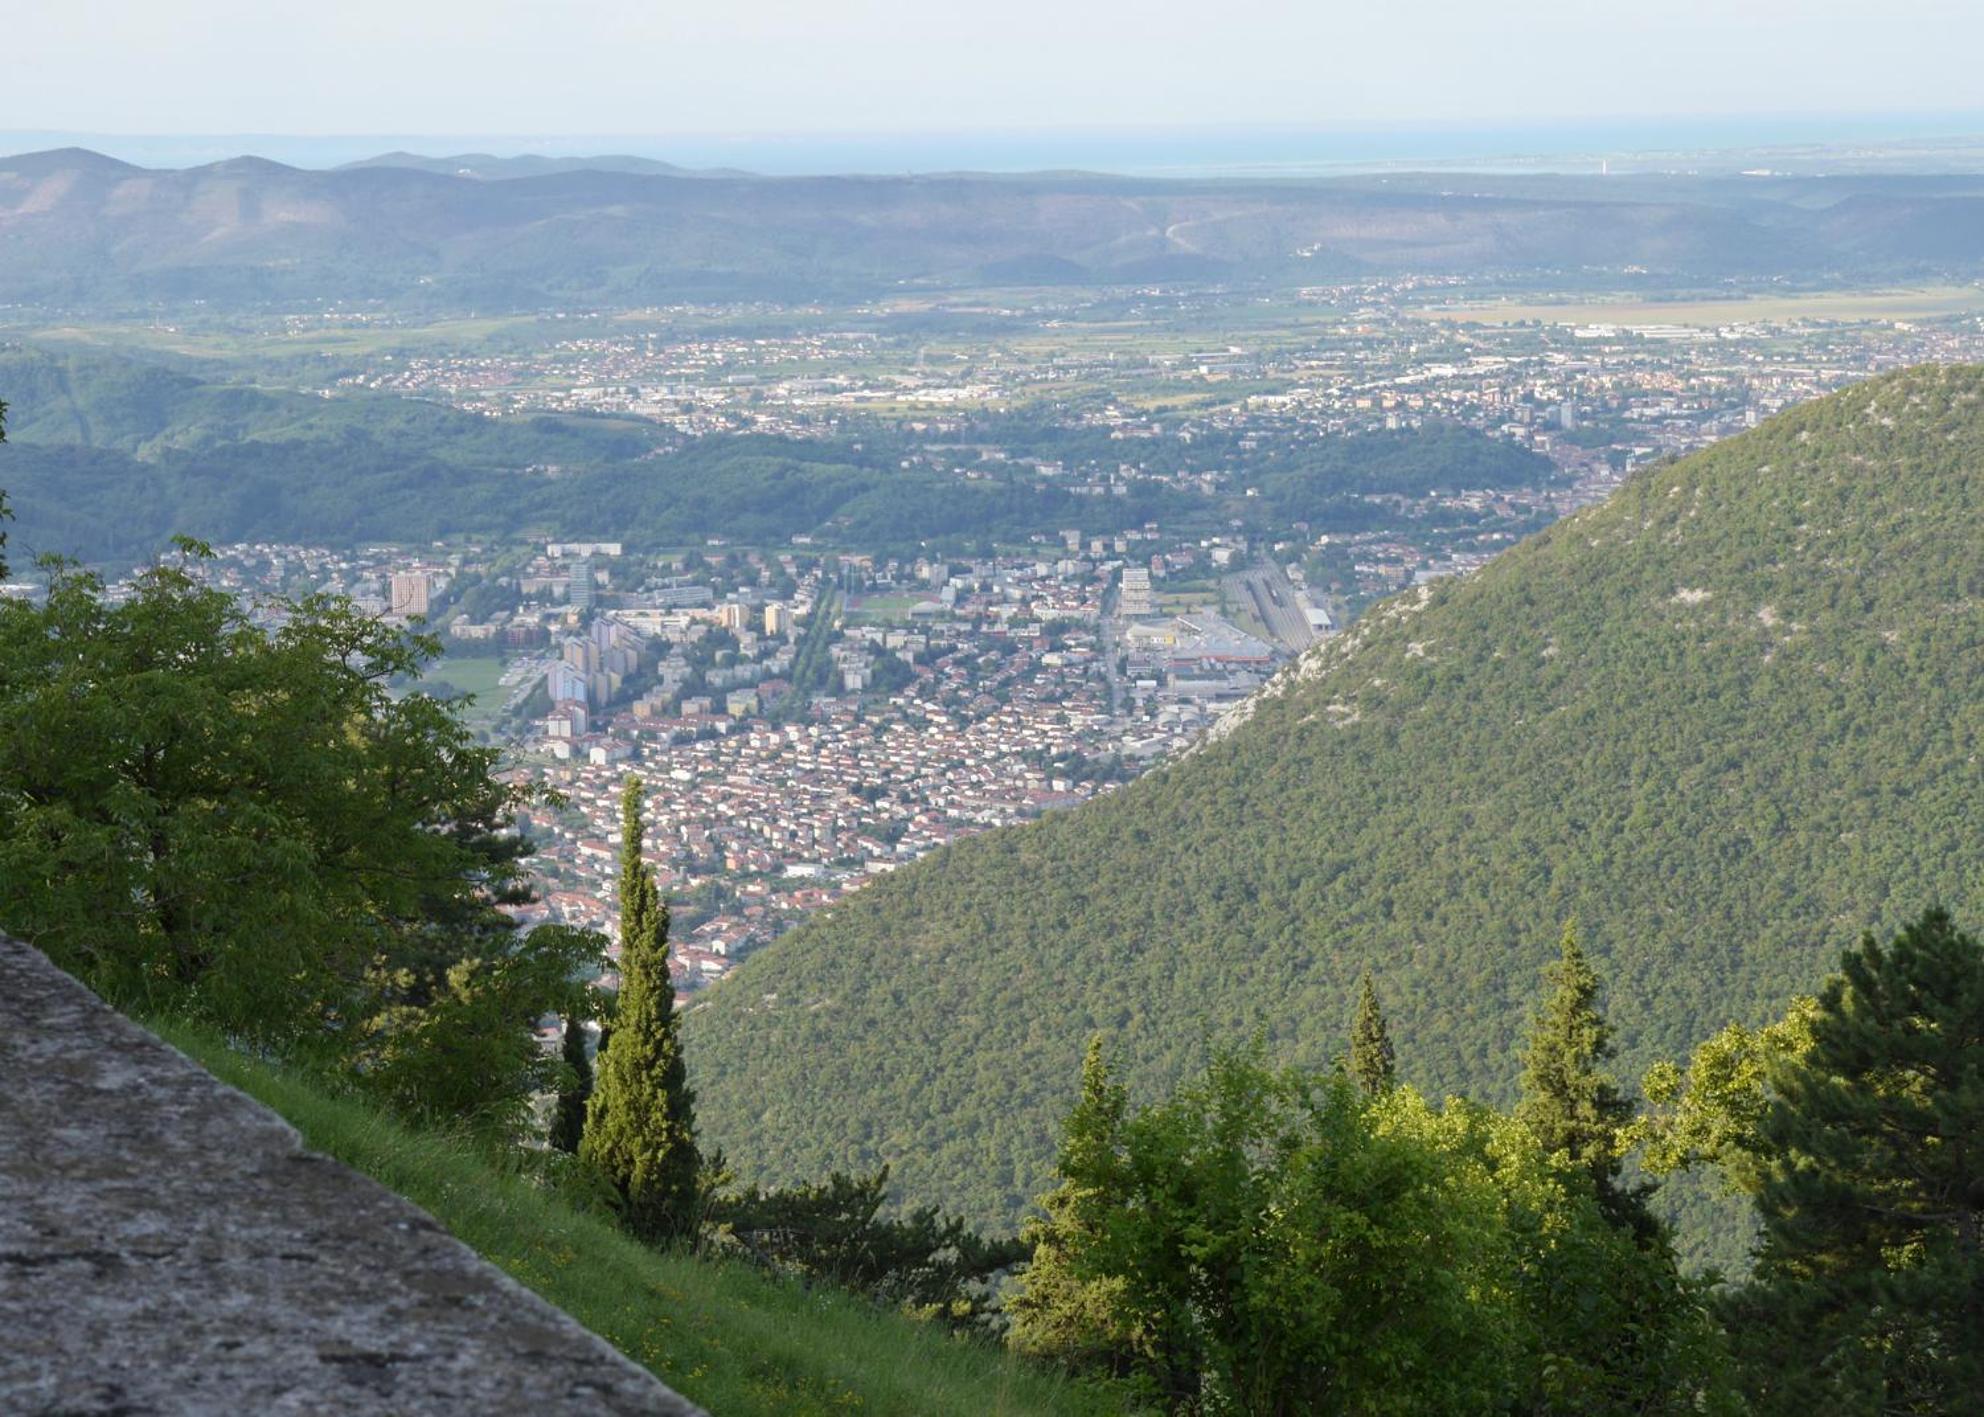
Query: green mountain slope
<point x="61" y="397"/>
<point x="1727" y="720"/>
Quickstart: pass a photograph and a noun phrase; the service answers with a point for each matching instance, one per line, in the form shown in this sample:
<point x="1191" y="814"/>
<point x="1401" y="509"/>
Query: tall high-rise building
<point x="579" y="596"/>
<point x="564" y="684"/>
<point x="778" y="620"/>
<point x="410" y="594"/>
<point x="1136" y="599"/>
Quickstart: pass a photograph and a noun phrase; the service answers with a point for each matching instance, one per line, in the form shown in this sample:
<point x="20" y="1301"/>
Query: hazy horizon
<point x="1633" y="143"/>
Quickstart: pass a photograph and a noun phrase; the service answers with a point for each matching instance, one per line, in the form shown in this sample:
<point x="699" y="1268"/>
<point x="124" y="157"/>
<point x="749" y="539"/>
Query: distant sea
<point x="1919" y="142"/>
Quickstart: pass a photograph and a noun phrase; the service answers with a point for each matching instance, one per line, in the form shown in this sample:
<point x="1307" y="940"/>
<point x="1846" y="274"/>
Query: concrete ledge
<point x="168" y="1246"/>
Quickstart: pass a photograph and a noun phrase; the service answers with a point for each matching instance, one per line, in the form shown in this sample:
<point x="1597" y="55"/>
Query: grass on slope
<point x="726" y="1336"/>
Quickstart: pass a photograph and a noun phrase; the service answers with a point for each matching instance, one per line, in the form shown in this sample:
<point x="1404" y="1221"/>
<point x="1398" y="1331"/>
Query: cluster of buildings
<point x="755" y="820"/>
<point x="949" y="698"/>
<point x="686" y="378"/>
<point x="396" y="583"/>
<point x="1361" y="354"/>
<point x="807" y="717"/>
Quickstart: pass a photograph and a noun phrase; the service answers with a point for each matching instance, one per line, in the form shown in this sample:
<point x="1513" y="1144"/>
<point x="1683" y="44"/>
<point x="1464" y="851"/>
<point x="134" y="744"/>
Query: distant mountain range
<point x="1726" y="721"/>
<point x="490" y="168"/>
<point x="80" y="229"/>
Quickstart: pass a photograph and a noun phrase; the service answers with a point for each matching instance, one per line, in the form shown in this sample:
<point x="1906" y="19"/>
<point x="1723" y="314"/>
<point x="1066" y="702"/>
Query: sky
<point x="722" y="68"/>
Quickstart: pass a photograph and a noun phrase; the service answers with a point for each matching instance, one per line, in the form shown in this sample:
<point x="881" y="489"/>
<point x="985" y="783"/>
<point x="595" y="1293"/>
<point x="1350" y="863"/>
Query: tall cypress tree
<point x="1869" y="1288"/>
<point x="640" y="1128"/>
<point x="568" y="1122"/>
<point x="1371" y="1059"/>
<point x="1569" y="1100"/>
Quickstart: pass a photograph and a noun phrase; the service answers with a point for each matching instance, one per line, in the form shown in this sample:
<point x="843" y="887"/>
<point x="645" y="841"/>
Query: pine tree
<point x="1869" y="1289"/>
<point x="568" y="1122"/>
<point x="1571" y="1104"/>
<point x="1057" y="1310"/>
<point x="1371" y="1058"/>
<point x="640" y="1128"/>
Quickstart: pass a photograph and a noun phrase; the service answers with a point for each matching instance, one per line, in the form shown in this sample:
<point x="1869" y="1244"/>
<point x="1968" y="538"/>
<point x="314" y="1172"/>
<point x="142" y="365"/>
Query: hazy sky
<point x="728" y="66"/>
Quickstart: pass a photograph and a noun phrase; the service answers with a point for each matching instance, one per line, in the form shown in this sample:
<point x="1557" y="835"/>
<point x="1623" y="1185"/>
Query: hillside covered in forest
<point x="1726" y="720"/>
<point x="109" y="457"/>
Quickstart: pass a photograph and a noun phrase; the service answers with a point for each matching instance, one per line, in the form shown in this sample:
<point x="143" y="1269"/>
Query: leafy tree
<point x="1595" y="1321"/>
<point x="1712" y="1113"/>
<point x="1568" y="1099"/>
<point x="925" y="1263"/>
<point x="1058" y="1311"/>
<point x="1869" y="1288"/>
<point x="1272" y="1252"/>
<point x="1371" y="1060"/>
<point x="203" y="814"/>
<point x="1277" y="1242"/>
<point x="460" y="1049"/>
<point x="640" y="1127"/>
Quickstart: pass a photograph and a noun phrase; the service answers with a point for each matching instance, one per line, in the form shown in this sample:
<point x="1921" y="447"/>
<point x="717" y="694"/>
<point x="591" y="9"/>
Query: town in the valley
<point x="809" y="714"/>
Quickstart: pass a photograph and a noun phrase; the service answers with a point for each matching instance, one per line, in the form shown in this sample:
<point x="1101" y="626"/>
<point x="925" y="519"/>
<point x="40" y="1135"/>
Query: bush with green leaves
<point x="234" y="818"/>
<point x="835" y="1232"/>
<point x="1274" y="1241"/>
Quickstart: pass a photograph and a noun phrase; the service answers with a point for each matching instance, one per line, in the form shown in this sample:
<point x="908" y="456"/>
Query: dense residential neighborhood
<point x="948" y="700"/>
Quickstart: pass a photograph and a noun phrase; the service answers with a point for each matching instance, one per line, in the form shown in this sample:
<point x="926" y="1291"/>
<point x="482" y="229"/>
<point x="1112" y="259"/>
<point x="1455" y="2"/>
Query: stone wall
<point x="167" y="1245"/>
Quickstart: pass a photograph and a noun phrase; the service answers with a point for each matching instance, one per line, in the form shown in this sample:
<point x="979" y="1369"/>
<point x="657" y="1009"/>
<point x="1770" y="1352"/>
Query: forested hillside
<point x="1726" y="720"/>
<point x="109" y="457"/>
<point x="113" y="403"/>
